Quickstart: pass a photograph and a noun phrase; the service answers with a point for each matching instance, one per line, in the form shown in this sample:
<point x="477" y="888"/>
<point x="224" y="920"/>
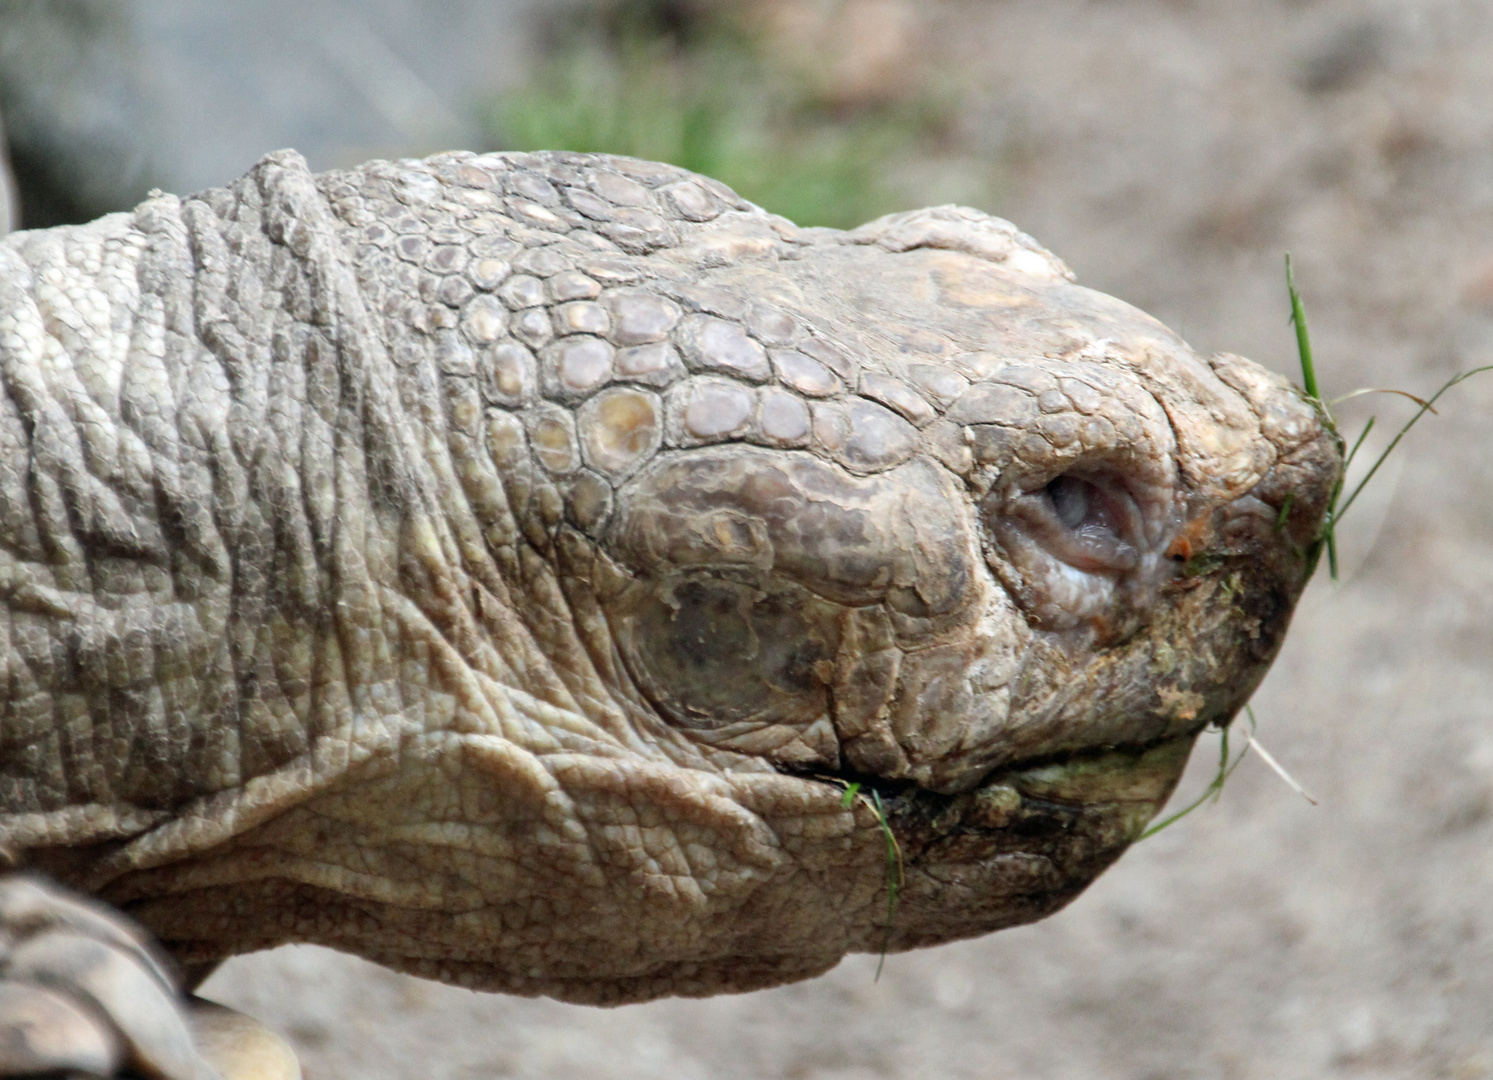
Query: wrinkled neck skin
<point x="500" y="566"/>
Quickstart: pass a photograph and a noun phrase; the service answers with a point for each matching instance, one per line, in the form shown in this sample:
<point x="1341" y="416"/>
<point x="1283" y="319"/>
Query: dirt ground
<point x="1171" y="150"/>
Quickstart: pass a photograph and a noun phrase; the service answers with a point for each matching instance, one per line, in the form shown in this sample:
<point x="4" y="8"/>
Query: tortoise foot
<point x="83" y="992"/>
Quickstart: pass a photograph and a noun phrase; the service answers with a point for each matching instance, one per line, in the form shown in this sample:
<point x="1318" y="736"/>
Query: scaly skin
<point x="498" y="567"/>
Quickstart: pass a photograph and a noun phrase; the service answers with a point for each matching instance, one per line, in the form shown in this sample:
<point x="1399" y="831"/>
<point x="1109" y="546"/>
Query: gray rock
<point x="105" y="100"/>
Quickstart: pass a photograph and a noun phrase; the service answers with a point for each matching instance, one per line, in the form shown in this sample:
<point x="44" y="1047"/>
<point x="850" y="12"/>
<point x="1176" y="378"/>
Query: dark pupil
<point x="1070" y="499"/>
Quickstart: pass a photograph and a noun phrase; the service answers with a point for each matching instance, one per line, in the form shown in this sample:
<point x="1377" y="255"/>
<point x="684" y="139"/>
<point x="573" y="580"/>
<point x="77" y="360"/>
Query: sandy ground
<point x="1171" y="151"/>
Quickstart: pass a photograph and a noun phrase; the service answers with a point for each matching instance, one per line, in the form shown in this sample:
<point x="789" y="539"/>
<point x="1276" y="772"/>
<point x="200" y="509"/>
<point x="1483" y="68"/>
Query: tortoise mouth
<point x="1019" y="846"/>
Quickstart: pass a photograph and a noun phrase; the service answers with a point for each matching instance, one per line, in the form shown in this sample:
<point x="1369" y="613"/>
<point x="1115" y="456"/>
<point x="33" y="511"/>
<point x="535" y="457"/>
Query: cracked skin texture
<point x="496" y="566"/>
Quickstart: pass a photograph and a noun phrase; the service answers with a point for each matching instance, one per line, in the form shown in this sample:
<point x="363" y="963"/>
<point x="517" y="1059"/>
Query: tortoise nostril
<point x="1090" y="523"/>
<point x="1094" y="511"/>
<point x="1084" y="547"/>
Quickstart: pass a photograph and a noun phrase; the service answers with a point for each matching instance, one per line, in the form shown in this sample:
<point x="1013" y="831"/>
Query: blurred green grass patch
<point x="722" y="107"/>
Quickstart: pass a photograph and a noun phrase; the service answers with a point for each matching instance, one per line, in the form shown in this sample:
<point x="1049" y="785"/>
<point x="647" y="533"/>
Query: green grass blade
<point x="1284" y="513"/>
<point x="895" y="876"/>
<point x="1303" y="338"/>
<point x="1362" y="435"/>
<point x="1461" y="376"/>
<point x="1213" y="790"/>
<point x="1328" y="536"/>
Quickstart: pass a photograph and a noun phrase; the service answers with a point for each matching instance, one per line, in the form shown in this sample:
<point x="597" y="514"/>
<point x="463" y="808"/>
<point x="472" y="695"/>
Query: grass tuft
<point x="1226" y="767"/>
<point x="1335" y="514"/>
<point x="1337" y="506"/>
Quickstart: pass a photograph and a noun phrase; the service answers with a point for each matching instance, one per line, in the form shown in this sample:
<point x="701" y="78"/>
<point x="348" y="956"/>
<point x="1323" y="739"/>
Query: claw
<point x="241" y="1047"/>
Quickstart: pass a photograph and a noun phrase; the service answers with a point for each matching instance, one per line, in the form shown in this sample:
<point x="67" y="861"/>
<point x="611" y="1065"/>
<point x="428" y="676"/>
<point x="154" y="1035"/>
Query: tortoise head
<point x="988" y="545"/>
<point x="746" y="550"/>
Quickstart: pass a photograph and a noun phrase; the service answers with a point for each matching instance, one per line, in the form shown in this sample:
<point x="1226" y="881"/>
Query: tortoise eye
<point x="710" y="651"/>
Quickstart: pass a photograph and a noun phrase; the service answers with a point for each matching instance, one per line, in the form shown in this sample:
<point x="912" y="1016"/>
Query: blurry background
<point x="829" y="113"/>
<point x="1170" y="150"/>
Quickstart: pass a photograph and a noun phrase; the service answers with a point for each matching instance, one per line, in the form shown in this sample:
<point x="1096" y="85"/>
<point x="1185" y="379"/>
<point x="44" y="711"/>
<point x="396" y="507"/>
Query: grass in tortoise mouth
<point x="896" y="875"/>
<point x="869" y="790"/>
<point x="1024" y="800"/>
<point x="1326" y="539"/>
